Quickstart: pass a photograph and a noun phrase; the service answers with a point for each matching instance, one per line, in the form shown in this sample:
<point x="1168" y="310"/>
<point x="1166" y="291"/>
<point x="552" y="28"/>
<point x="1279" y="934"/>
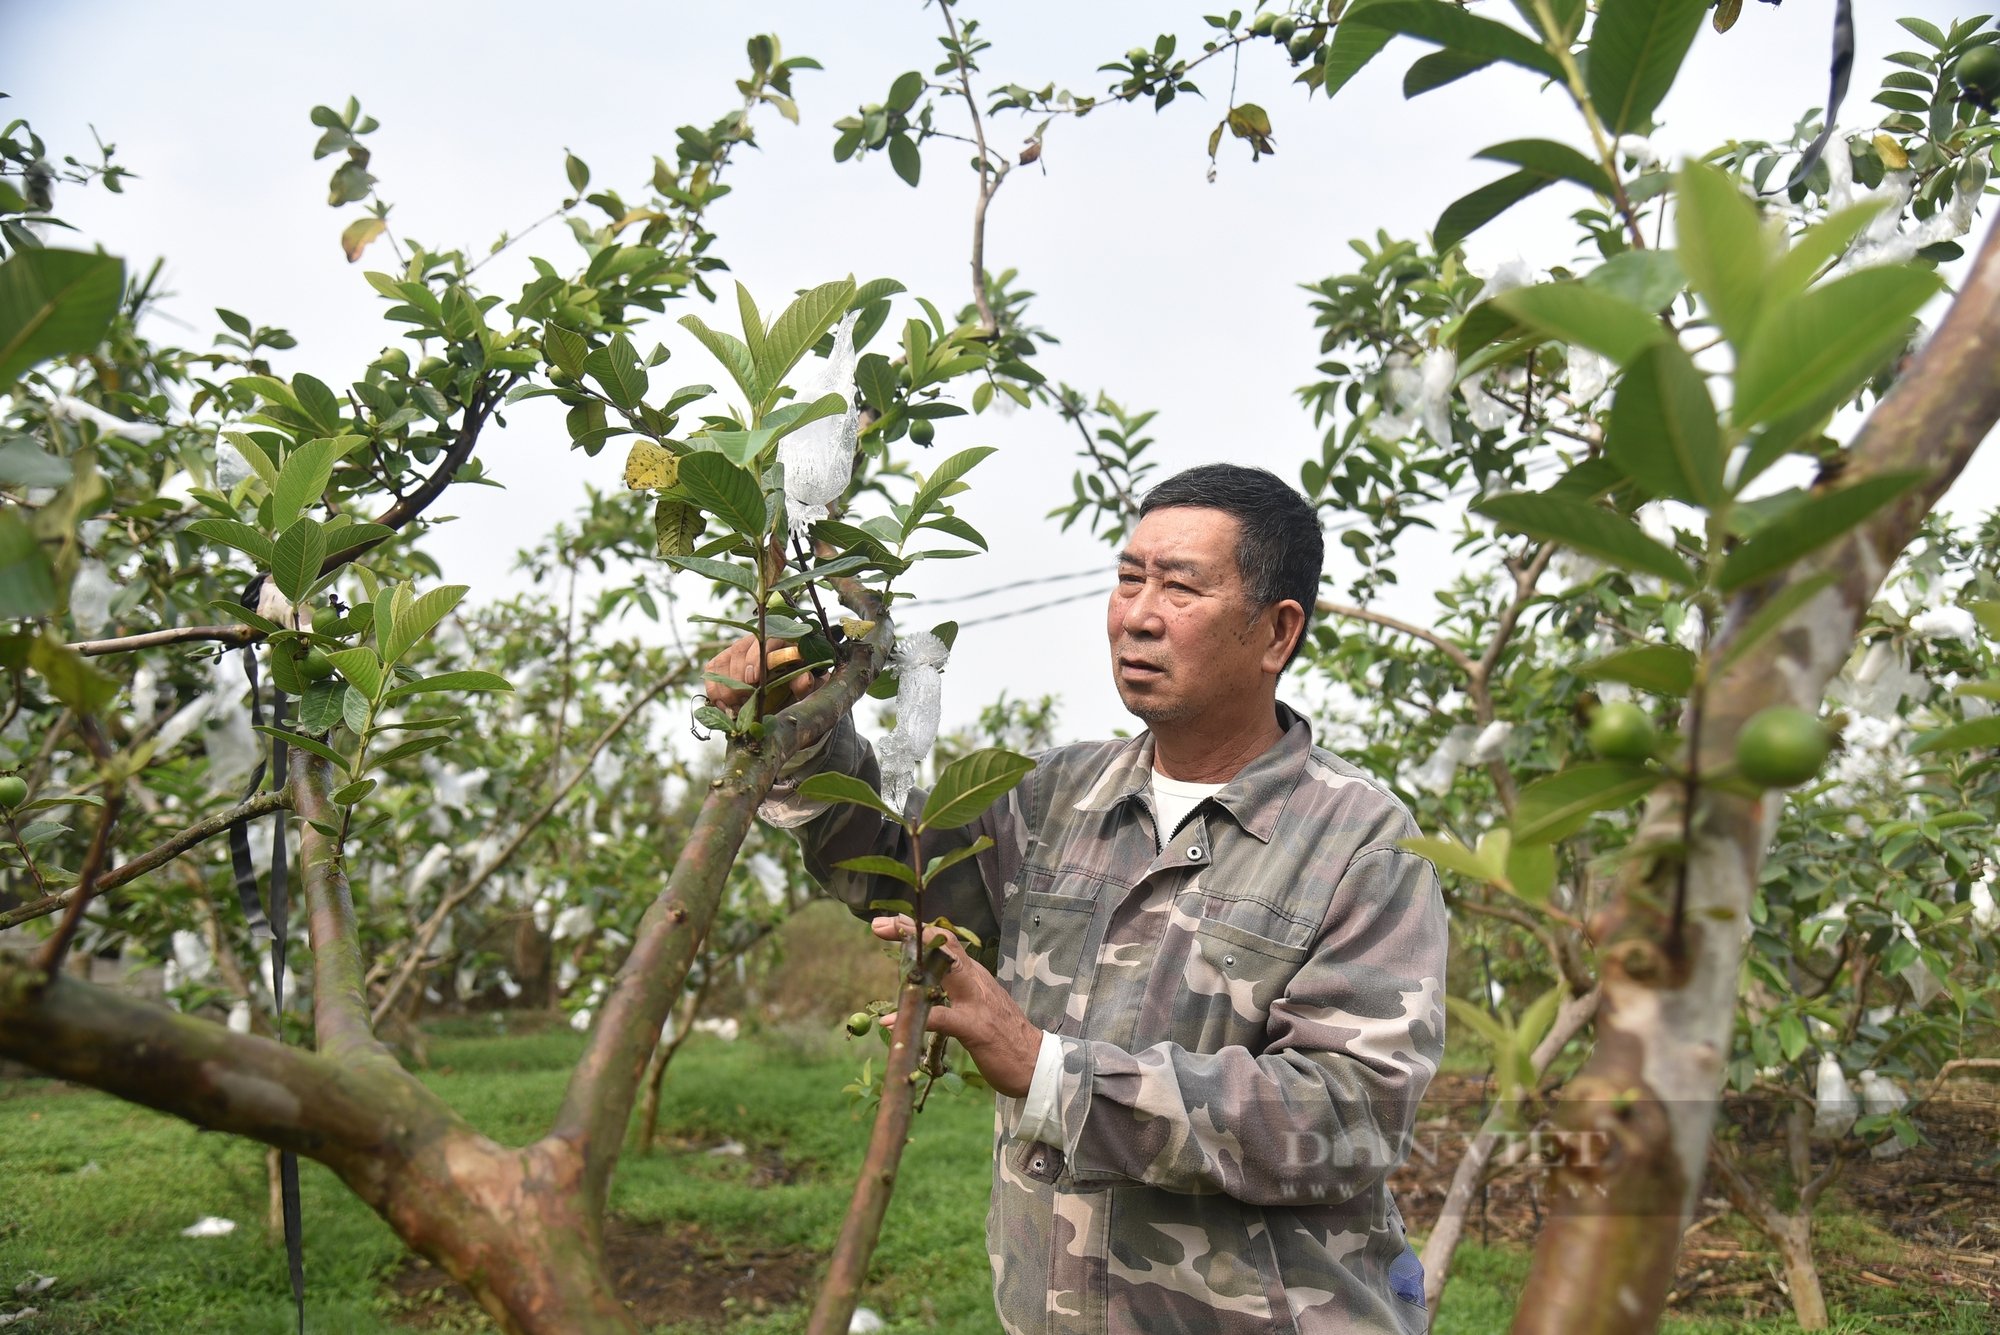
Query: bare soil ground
<point x="664" y="1271"/>
<point x="1927" y="1221"/>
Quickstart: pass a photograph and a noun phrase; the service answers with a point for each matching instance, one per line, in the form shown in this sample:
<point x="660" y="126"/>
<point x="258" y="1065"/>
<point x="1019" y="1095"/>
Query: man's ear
<point x="1288" y="627"/>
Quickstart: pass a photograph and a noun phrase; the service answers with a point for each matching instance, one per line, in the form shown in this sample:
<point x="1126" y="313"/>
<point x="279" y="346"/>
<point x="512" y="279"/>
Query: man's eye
<point x="1180" y="588"/>
<point x="1128" y="580"/>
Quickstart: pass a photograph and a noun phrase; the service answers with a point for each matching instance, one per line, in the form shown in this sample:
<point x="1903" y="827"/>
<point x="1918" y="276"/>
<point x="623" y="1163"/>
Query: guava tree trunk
<point x="521" y="1229"/>
<point x="1790" y="1231"/>
<point x="1636" y="1122"/>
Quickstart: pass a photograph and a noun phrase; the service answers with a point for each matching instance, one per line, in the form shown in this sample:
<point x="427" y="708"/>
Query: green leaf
<point x="416" y="746"/>
<point x="320" y="706"/>
<point x="1979" y="732"/>
<point x="296" y="558"/>
<point x="348" y="794"/>
<point x="304" y="476"/>
<point x="318" y="404"/>
<point x="1449" y="26"/>
<point x="874" y="864"/>
<point x="725" y="491"/>
<point x="1810" y="525"/>
<point x="1810" y="354"/>
<point x="616" y="367"/>
<point x="732" y="352"/>
<point x="1496" y="1035"/>
<point x="971" y="784"/>
<point x="70" y="676"/>
<point x="1648" y="279"/>
<point x="956" y="856"/>
<point x="904" y="157"/>
<point x="1353" y="46"/>
<point x="1531" y="871"/>
<point x="1791" y="1036"/>
<point x="904" y="92"/>
<point x="254" y="455"/>
<point x="1585" y="316"/>
<point x="724" y="571"/>
<point x="1818" y="246"/>
<point x="303" y="743"/>
<point x="1541" y="1013"/>
<point x="230" y="533"/>
<point x="22" y="464"/>
<point x="412" y="620"/>
<point x="1558" y="162"/>
<point x="360" y="666"/>
<point x="794" y="332"/>
<point x="1450" y="855"/>
<point x="1775" y="611"/>
<point x="54" y="303"/>
<point x="1663" y="433"/>
<point x="1636" y="49"/>
<point x="845" y="788"/>
<point x="1722" y="248"/>
<point x="1557" y="806"/>
<point x="1429" y="73"/>
<point x="1589" y="529"/>
<point x="452" y="681"/>
<point x="941" y="477"/>
<point x="1664" y="669"/>
<point x="565" y="350"/>
<point x="1467" y="214"/>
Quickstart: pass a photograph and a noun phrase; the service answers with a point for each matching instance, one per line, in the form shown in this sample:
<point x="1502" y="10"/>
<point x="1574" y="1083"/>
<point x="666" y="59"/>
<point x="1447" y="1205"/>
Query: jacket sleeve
<point x="831" y="833"/>
<point x="1328" y="1108"/>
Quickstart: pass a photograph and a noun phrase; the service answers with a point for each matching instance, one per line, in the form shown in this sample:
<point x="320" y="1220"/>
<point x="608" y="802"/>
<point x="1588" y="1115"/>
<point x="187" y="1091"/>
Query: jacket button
<point x="1194" y="853"/>
<point x="1229" y="961"/>
<point x="1035" y="1165"/>
<point x="1038" y="920"/>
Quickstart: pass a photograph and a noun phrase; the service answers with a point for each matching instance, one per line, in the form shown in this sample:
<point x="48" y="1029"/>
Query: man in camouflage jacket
<point x="1209" y="1041"/>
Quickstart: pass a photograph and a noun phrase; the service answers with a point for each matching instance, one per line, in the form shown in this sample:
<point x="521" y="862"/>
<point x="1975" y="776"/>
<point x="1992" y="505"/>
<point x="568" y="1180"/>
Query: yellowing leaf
<point x="676" y="527"/>
<point x="1892" y="153"/>
<point x="651" y="467"/>
<point x="358" y="234"/>
<point x="854" y="628"/>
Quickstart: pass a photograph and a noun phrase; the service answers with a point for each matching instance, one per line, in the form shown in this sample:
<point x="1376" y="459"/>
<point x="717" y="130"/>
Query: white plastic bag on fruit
<point x="1879" y="1097"/>
<point x="920" y="658"/>
<point x="819" y="457"/>
<point x="1834" y="1106"/>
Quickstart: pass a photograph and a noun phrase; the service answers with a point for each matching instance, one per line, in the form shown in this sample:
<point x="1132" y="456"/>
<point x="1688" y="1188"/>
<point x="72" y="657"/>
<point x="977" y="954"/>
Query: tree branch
<point x="232" y="636"/>
<point x="1457" y="655"/>
<point x="340" y="1014"/>
<point x="188" y="1067"/>
<point x="597" y="1107"/>
<point x="262" y="804"/>
<point x="861" y="1228"/>
<point x="414" y="955"/>
<point x="989" y="176"/>
<point x="486" y="395"/>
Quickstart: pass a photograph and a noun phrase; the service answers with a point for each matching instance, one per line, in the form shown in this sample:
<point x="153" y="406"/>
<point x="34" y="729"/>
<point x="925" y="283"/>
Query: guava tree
<point x="274" y="518"/>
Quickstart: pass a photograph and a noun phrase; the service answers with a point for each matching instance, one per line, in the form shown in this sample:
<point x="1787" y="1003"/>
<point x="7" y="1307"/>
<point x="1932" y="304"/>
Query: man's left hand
<point x="995" y="1033"/>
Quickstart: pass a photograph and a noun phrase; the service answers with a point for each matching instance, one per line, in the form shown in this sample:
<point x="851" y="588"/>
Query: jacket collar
<point x="1255" y="798"/>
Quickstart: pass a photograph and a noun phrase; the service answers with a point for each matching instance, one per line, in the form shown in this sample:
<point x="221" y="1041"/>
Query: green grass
<point x="111" y="1235"/>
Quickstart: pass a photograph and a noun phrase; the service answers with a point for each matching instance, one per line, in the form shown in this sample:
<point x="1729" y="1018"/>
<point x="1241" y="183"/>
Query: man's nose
<point x="1141" y="612"/>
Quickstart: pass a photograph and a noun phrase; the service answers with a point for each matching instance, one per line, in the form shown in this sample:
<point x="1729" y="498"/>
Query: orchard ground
<point x="725" y="1224"/>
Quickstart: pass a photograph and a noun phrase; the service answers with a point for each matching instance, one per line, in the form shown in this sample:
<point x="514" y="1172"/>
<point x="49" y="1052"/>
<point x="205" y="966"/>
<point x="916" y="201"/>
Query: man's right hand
<point x="742" y="662"/>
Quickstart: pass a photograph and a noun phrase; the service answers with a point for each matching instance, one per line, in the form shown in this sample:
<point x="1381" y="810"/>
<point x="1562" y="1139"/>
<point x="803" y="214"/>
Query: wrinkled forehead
<point x="1185" y="540"/>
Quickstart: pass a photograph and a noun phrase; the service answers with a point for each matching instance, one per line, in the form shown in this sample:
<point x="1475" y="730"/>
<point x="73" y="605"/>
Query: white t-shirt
<point x="1173" y="800"/>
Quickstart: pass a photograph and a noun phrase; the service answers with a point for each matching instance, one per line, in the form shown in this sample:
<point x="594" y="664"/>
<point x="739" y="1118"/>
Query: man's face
<point x="1185" y="640"/>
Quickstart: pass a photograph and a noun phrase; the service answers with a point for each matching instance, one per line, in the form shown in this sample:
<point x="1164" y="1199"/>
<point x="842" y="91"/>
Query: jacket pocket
<point x="1232" y="978"/>
<point x="1047" y="957"/>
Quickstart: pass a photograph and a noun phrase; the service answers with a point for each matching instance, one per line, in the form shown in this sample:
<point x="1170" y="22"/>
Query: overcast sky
<point x="1167" y="291"/>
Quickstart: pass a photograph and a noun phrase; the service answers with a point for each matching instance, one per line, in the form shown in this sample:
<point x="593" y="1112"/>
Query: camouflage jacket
<point x="1249" y="1016"/>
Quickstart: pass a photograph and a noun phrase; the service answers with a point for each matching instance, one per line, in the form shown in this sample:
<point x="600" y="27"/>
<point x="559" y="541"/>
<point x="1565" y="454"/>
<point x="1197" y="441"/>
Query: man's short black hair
<point x="1281" y="549"/>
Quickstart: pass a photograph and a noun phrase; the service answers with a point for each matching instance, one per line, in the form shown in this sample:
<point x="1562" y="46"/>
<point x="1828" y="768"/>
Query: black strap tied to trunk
<point x="272" y="928"/>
